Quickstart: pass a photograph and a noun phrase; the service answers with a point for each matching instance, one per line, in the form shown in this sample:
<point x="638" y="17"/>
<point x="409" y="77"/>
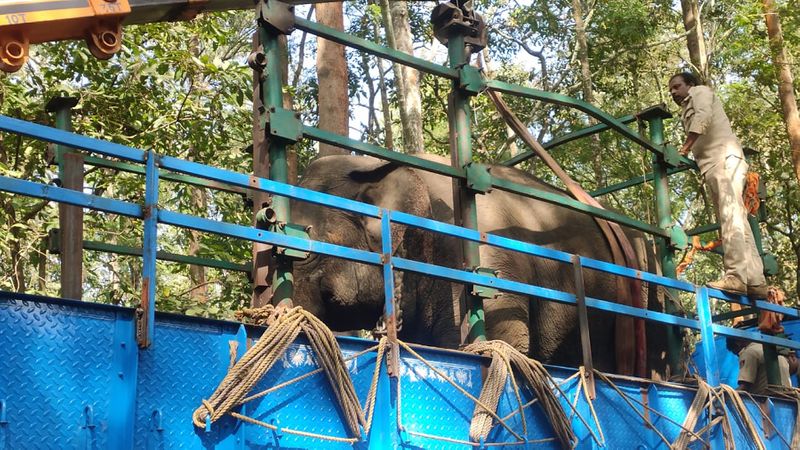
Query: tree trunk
<point x="333" y="101"/>
<point x="586" y="84"/>
<point x="780" y="59"/>
<point x="695" y="41"/>
<point x="197" y="274"/>
<point x="398" y="35"/>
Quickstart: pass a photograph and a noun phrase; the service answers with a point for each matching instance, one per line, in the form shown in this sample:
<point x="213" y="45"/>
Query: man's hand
<point x="690" y="140"/>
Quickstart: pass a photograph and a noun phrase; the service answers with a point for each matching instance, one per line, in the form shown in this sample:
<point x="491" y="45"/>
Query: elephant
<point x="349" y="296"/>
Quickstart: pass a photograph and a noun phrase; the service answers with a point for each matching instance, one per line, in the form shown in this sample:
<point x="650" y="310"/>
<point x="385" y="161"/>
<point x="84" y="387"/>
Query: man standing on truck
<point x="720" y="158"/>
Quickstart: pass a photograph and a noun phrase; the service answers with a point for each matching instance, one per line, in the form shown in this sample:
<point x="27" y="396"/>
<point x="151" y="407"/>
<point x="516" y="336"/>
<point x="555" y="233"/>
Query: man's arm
<point x="691" y="138"/>
<point x="748" y="369"/>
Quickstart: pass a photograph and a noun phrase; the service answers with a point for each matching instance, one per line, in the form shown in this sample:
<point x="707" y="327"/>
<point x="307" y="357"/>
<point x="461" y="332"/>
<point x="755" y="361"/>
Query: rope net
<point x="505" y="360"/>
<point x="284" y="327"/>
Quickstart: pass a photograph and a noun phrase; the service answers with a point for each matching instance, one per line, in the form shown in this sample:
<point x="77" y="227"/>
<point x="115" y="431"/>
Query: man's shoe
<point x="758" y="291"/>
<point x="731" y="284"/>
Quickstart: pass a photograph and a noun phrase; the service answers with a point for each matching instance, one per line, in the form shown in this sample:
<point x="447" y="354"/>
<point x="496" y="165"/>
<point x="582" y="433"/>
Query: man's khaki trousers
<point x="726" y="184"/>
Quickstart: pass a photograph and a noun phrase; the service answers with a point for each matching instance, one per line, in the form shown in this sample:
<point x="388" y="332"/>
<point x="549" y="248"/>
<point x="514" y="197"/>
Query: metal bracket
<point x="678" y="238"/>
<point x="140" y="319"/>
<point x="484" y="291"/>
<point x="99" y="21"/>
<point x="54" y="241"/>
<point x="671" y="156"/>
<point x="284" y="124"/>
<point x="155" y="439"/>
<point x="293" y="230"/>
<point x="276" y="16"/>
<point x="449" y="19"/>
<point x="770" y="264"/>
<point x="470" y="80"/>
<point x="478" y="177"/>
<point x="3" y="425"/>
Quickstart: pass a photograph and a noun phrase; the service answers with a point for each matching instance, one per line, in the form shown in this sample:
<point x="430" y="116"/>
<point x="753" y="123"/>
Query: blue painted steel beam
<point x="535" y="250"/>
<point x="755" y="336"/>
<point x="761" y="304"/>
<point x="460" y="276"/>
<point x="73" y="140"/>
<point x="267" y="237"/>
<point x="149" y="250"/>
<point x="266" y="185"/>
<point x="707" y="335"/>
<point x="68" y="196"/>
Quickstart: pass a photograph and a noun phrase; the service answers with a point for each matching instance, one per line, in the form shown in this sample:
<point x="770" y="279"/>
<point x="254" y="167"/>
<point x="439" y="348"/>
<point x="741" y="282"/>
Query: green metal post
<point x="460" y="115"/>
<point x="70" y="218"/>
<point x="272" y="89"/>
<point x="666" y="255"/>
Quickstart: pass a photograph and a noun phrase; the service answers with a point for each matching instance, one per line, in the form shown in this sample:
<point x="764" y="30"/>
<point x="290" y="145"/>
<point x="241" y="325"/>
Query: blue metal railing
<point x="152" y="215"/>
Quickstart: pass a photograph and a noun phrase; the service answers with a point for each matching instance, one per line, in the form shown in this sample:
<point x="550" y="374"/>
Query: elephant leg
<point x="507" y="320"/>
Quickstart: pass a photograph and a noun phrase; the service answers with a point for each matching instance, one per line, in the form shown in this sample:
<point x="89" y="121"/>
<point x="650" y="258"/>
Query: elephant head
<point x="348" y="295"/>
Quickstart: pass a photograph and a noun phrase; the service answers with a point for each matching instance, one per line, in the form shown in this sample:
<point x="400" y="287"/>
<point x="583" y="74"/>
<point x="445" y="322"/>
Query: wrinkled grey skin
<point x="350" y="296"/>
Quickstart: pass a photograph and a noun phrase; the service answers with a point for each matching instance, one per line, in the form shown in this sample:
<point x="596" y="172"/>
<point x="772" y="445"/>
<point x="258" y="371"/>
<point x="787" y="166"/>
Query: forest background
<point x="184" y="89"/>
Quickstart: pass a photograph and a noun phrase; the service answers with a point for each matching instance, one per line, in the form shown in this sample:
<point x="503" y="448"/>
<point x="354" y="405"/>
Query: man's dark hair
<point x="688" y="78"/>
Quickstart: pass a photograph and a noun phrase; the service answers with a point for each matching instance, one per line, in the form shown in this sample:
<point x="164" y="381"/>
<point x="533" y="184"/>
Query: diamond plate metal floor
<point x="71" y="376"/>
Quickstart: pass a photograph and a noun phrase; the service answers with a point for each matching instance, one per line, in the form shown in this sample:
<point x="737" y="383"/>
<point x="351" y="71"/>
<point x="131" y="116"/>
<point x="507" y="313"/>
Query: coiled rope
<point x="506" y="359"/>
<point x="285" y="326"/>
<point x="714" y="400"/>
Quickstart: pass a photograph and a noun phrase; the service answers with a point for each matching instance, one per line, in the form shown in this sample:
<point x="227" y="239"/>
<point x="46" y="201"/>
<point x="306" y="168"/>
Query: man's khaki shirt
<point x="702" y="113"/>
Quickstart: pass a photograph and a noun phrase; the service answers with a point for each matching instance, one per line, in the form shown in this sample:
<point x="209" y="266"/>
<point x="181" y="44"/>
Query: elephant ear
<point x="397" y="188"/>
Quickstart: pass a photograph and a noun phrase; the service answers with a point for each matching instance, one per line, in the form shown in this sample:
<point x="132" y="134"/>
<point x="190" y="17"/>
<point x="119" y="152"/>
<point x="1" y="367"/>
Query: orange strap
<point x="696" y="245"/>
<point x="750" y="195"/>
<point x="768" y="321"/>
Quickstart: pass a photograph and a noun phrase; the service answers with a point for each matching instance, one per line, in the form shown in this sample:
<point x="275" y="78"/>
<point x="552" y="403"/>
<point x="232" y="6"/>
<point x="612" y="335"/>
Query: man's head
<point x="680" y="84"/>
<point x="735" y="345"/>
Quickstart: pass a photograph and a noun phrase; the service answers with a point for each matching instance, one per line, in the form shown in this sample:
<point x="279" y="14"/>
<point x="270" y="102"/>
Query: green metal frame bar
<point x="569" y="137"/>
<point x="272" y="92"/>
<point x="703" y="229"/>
<point x="372" y="48"/>
<point x="443" y="169"/>
<point x="575" y="205"/>
<point x="166" y="256"/>
<point x="381" y="152"/>
<point x="666" y="253"/>
<point x="600" y="115"/>
<point x="634" y="182"/>
<point x="459" y="114"/>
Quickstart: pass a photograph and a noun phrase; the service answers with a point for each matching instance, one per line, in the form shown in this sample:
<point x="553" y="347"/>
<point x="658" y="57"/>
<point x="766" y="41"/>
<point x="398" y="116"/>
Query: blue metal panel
<point x="39" y="190"/>
<point x="266" y="185"/>
<point x="707" y="334"/>
<point x="123" y="383"/>
<point x="431" y="405"/>
<point x="257" y="235"/>
<point x="70" y="139"/>
<point x="189" y="360"/>
<point x="57" y="361"/>
<point x="308" y="405"/>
